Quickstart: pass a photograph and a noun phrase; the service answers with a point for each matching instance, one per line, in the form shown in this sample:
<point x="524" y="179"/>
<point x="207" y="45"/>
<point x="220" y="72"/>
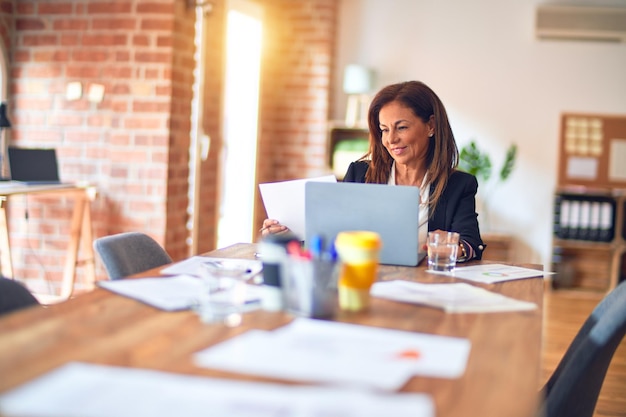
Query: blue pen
<point x="316" y="248"/>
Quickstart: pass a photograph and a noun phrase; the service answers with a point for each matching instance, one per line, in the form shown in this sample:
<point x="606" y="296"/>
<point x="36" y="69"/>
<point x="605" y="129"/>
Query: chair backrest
<point x="129" y="253"/>
<point x="14" y="296"/>
<point x="573" y="388"/>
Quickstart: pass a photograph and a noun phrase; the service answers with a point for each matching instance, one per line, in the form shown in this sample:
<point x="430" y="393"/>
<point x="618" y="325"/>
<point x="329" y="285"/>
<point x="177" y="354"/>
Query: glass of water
<point x="442" y="250"/>
<point x="224" y="299"/>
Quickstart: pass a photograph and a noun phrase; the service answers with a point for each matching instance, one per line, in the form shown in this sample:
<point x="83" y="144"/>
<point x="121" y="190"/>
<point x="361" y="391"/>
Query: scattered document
<point x="191" y="266"/>
<point x="339" y="353"/>
<point x="86" y="390"/>
<point x="171" y="293"/>
<point x="284" y="201"/>
<point x="452" y="298"/>
<point x="492" y="273"/>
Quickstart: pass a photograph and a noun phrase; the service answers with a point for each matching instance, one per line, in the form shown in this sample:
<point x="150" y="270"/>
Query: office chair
<point x="129" y="253"/>
<point x="573" y="388"/>
<point x="14" y="296"/>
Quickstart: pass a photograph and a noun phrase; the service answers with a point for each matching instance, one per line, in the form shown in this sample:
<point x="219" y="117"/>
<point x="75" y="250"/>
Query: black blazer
<point x="456" y="210"/>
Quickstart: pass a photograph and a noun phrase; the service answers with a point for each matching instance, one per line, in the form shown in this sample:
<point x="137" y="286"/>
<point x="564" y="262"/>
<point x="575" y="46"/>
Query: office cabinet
<point x="345" y="144"/>
<point x="589" y="239"/>
<point x="589" y="236"/>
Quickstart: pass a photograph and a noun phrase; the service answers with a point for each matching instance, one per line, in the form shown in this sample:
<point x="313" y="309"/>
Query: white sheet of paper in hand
<point x="284" y="201"/>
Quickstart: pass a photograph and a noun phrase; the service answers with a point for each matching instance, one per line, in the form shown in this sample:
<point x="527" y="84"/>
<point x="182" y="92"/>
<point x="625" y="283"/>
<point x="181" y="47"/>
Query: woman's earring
<point x="430" y="135"/>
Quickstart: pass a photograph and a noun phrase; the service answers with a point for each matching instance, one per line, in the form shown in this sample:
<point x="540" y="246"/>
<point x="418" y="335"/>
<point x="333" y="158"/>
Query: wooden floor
<point x="565" y="311"/>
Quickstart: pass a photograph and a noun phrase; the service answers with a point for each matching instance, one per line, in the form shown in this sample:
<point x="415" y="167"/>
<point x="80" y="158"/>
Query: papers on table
<point x="171" y="293"/>
<point x="284" y="201"/>
<point x="492" y="273"/>
<point x="191" y="266"/>
<point x="85" y="390"/>
<point x="340" y="353"/>
<point x="452" y="298"/>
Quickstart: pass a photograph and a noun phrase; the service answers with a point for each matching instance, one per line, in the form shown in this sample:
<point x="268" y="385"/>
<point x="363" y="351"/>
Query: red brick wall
<point x="295" y="90"/>
<point x="134" y="145"/>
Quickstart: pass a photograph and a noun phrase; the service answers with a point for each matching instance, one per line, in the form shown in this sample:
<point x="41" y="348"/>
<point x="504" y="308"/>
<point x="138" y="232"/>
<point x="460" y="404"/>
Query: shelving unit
<point x="589" y="236"/>
<point x="339" y="135"/>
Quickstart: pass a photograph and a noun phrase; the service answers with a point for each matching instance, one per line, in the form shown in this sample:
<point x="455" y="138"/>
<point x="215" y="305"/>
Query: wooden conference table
<point x="501" y="378"/>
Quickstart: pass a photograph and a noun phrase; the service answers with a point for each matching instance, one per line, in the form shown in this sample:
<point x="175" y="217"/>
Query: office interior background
<point x="499" y="82"/>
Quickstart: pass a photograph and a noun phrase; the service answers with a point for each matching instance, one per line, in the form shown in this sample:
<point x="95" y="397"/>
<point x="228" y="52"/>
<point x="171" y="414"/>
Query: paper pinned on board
<point x="284" y="201"/>
<point x="450" y="297"/>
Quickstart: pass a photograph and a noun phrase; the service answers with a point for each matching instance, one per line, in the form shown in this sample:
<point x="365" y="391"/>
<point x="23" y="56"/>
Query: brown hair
<point x="443" y="155"/>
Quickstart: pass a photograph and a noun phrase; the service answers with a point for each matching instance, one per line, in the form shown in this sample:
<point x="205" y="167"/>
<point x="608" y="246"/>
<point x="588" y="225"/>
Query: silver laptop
<point x="391" y="211"/>
<point x="34" y="166"/>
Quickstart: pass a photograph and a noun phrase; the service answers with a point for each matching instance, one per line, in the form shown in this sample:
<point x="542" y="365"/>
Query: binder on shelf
<point x="574" y="219"/>
<point x="594" y="221"/>
<point x="607" y="219"/>
<point x="585" y="217"/>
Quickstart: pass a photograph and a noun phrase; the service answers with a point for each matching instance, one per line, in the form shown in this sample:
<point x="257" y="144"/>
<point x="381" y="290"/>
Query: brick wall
<point x="134" y="145"/>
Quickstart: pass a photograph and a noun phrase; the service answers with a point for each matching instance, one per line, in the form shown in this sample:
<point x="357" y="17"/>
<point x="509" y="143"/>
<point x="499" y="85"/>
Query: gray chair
<point x="130" y="253"/>
<point x="14" y="296"/>
<point x="573" y="388"/>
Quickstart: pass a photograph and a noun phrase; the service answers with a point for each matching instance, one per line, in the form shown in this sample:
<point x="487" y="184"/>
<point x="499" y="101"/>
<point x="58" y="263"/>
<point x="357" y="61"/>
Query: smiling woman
<point x="411" y="144"/>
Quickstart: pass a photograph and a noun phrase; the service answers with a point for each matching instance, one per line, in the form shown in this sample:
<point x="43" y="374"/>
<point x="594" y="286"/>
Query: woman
<point x="411" y="143"/>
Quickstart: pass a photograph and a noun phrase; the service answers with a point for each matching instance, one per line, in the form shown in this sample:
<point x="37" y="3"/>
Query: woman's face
<point x="404" y="135"/>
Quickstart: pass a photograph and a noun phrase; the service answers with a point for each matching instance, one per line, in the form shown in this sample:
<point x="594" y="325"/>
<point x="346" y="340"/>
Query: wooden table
<point x="80" y="232"/>
<point x="501" y="378"/>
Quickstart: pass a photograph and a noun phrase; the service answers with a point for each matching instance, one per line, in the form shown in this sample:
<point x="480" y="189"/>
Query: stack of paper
<point x="453" y="298"/>
<point x="340" y="353"/>
<point x="492" y="273"/>
<point x="84" y="390"/>
<point x="172" y="293"/>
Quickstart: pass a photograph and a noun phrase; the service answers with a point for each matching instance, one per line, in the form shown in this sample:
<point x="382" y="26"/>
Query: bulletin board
<point x="592" y="151"/>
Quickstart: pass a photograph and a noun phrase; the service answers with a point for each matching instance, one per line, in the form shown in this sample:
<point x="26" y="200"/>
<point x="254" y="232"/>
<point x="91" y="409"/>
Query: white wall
<point x="499" y="84"/>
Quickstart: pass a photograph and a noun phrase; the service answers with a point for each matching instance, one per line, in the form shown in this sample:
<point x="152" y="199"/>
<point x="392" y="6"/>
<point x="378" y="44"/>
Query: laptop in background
<point x="34" y="166"/>
<point x="390" y="211"/>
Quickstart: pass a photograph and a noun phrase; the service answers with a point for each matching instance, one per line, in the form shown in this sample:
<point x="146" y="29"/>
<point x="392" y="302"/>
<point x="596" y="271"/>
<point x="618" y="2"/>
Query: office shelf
<point x="589" y="244"/>
<point x="589" y="236"/>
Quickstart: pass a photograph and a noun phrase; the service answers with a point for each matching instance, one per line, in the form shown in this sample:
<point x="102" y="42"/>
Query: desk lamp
<point x="357" y="84"/>
<point x="4" y="143"/>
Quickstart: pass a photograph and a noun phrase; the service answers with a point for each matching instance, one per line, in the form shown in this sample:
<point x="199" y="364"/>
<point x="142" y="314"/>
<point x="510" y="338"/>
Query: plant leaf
<point x="473" y="161"/>
<point x="509" y="162"/>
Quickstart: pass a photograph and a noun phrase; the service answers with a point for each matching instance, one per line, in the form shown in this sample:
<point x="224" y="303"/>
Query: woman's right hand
<point x="271" y="226"/>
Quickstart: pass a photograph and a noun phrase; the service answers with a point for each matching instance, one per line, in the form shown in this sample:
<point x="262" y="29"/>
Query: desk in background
<point x="501" y="378"/>
<point x="80" y="232"/>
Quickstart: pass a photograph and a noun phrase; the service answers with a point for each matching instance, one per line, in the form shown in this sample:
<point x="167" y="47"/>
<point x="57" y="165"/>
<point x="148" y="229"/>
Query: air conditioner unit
<point x="581" y="23"/>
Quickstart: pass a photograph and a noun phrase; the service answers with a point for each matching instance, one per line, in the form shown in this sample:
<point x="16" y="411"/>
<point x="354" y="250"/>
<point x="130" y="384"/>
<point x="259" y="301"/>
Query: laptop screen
<point x="33" y="165"/>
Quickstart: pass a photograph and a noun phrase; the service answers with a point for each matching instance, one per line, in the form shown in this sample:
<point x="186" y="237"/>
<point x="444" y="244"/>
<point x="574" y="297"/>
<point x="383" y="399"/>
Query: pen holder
<point x="310" y="288"/>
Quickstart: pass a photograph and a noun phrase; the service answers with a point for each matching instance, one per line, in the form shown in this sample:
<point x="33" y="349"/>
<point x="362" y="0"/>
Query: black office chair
<point x="573" y="388"/>
<point x="14" y="296"/>
<point x="129" y="253"/>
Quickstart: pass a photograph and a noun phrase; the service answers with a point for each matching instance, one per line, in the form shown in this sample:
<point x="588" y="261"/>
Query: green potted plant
<point x="478" y="163"/>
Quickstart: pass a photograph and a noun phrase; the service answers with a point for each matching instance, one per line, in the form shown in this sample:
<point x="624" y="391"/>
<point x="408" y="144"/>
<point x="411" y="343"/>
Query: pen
<point x="316" y="246"/>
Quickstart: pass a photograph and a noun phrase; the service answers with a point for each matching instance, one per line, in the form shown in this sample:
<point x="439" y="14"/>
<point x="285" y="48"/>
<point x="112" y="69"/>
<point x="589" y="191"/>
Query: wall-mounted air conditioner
<point x="581" y="23"/>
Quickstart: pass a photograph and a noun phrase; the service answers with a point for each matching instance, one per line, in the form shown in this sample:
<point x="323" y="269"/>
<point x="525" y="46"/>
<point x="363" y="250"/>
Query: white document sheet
<point x="85" y="390"/>
<point x="284" y="201"/>
<point x="339" y="353"/>
<point x="171" y="293"/>
<point x="191" y="266"/>
<point x="452" y="298"/>
<point x="492" y="273"/>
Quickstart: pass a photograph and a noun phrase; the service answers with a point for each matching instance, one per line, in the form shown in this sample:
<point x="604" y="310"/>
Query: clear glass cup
<point x="225" y="292"/>
<point x="442" y="250"/>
